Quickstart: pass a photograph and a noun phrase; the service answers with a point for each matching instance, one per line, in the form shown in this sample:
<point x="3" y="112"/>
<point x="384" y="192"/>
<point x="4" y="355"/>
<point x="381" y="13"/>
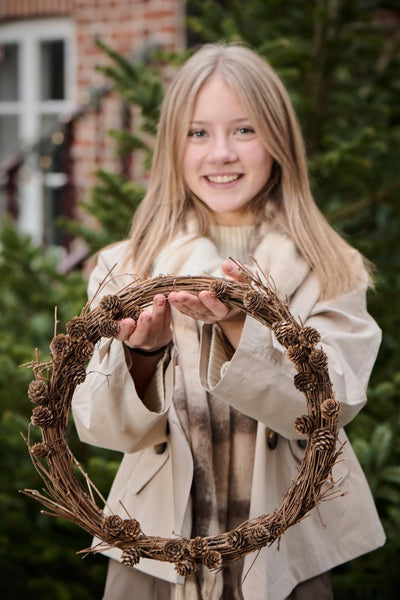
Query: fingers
<point x="215" y="306"/>
<point x="161" y="315"/>
<point x="204" y="307"/>
<point x="151" y="330"/>
<point x="186" y="303"/>
<point x="126" y="329"/>
<point x="232" y="270"/>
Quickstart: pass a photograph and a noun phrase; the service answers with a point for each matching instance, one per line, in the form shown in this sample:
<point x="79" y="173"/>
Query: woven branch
<point x="52" y="392"/>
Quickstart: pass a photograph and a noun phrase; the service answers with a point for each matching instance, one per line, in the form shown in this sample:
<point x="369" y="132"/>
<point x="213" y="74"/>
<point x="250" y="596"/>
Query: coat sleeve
<point x="106" y="407"/>
<point x="258" y="379"/>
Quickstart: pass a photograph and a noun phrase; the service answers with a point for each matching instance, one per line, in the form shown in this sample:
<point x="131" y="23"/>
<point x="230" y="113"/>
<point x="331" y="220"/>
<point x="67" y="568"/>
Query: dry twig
<point x="52" y="389"/>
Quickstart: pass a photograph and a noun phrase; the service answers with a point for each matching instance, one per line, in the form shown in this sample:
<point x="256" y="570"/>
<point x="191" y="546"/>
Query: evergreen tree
<point x="38" y="553"/>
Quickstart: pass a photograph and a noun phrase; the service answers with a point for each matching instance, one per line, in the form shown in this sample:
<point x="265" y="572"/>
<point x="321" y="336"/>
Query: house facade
<point x="56" y="109"/>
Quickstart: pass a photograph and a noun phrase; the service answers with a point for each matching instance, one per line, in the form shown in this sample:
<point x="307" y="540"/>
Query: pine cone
<point x="133" y="312"/>
<point x="130" y="557"/>
<point x="77" y="328"/>
<point x="322" y="439"/>
<point x="286" y="333"/>
<point x="253" y="301"/>
<point x="219" y="289"/>
<point x="235" y="539"/>
<point x="318" y="360"/>
<point x="259" y="535"/>
<point x="131" y="528"/>
<point x="330" y="408"/>
<point x="197" y="546"/>
<point x="42" y="416"/>
<point x="113" y="526"/>
<point x="297" y="354"/>
<point x="61" y="346"/>
<point x="305" y="382"/>
<point x="108" y="328"/>
<point x="310" y="335"/>
<point x="75" y="374"/>
<point x="184" y="567"/>
<point x="304" y="425"/>
<point x="212" y="559"/>
<point x="40" y="450"/>
<point x="277" y="527"/>
<point x="111" y="306"/>
<point x="38" y="392"/>
<point x="174" y="549"/>
<point x="83" y="350"/>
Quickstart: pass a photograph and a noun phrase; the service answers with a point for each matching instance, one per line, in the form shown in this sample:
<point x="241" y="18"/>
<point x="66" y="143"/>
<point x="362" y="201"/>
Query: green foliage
<point x="376" y="440"/>
<point x="138" y="83"/>
<point x="113" y="202"/>
<point x="114" y="199"/>
<point x="37" y="553"/>
<point x="375" y="436"/>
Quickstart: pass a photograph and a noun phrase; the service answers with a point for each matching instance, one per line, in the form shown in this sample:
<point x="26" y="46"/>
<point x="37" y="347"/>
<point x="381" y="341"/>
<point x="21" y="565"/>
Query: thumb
<point x="126" y="328"/>
<point x="232" y="270"/>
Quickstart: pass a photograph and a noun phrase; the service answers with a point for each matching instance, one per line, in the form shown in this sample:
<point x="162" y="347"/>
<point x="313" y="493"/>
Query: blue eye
<point x="245" y="130"/>
<point x="196" y="133"/>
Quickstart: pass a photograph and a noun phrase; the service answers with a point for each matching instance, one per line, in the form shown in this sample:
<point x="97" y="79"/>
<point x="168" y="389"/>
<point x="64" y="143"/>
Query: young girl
<point x="199" y="397"/>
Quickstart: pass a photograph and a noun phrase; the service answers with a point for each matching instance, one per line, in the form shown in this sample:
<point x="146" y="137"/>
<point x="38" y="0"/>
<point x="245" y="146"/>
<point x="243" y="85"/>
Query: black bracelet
<point x="148" y="352"/>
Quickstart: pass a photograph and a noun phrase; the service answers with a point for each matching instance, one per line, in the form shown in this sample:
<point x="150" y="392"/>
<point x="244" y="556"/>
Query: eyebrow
<point x="239" y="120"/>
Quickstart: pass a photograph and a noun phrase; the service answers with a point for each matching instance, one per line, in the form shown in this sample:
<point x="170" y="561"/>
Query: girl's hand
<point x="151" y="331"/>
<point x="208" y="309"/>
<point x="204" y="307"/>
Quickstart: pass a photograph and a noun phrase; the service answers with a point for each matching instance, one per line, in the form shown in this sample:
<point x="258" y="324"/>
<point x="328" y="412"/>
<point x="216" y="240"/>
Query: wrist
<point x="232" y="328"/>
<point x="233" y="316"/>
<point x="149" y="353"/>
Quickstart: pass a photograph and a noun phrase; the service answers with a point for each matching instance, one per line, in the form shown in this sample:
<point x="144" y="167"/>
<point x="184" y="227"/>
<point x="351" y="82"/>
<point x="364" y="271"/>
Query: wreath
<point x="67" y="496"/>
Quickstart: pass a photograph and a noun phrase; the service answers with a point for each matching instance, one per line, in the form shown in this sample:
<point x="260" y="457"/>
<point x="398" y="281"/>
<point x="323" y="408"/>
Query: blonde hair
<point x="167" y="202"/>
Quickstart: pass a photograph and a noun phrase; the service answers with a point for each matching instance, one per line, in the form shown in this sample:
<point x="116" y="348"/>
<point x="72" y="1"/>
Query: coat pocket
<point x="148" y="464"/>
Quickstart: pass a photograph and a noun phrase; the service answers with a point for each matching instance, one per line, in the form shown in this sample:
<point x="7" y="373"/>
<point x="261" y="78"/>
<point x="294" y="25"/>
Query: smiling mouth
<point x="222" y="178"/>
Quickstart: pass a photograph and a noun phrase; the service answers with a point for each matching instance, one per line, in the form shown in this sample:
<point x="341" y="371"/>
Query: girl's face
<point x="224" y="163"/>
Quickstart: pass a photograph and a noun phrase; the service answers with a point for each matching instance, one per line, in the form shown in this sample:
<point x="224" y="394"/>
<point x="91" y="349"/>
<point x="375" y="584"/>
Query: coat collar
<point x="274" y="252"/>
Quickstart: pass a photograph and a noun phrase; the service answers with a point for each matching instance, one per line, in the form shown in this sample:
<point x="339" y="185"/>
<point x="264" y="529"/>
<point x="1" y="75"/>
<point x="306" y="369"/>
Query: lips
<point x="223" y="178"/>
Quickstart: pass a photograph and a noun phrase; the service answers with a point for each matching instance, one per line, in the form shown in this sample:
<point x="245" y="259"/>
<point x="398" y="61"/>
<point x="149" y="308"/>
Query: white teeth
<point x="222" y="178"/>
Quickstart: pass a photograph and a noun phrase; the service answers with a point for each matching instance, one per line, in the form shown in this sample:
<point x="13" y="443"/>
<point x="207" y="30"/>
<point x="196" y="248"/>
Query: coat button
<point x="272" y="439"/>
<point x="160" y="448"/>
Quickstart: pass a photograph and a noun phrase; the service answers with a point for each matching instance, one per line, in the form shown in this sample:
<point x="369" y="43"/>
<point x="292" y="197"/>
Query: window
<point x="9" y="93"/>
<point x="36" y="86"/>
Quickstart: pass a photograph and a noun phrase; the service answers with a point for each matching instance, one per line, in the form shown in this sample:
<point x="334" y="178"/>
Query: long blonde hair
<point x="262" y="94"/>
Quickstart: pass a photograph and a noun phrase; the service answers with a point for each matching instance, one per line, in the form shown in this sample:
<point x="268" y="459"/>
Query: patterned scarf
<point x="221" y="439"/>
<point x="222" y="442"/>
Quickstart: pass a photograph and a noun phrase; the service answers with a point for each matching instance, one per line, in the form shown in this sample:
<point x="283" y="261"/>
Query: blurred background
<point x="80" y="87"/>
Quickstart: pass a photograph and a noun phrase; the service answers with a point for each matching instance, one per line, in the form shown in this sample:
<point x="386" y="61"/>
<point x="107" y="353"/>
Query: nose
<point x="222" y="150"/>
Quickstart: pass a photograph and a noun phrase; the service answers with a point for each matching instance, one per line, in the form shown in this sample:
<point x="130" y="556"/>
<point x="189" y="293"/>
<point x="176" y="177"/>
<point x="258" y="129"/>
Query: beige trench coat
<point x="154" y="486"/>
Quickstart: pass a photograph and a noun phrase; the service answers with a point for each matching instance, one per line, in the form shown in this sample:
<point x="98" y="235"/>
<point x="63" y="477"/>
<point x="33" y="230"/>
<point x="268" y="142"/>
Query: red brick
<point x="123" y="24"/>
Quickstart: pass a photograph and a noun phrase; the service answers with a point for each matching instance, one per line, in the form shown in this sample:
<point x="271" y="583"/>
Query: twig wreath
<point x="54" y="384"/>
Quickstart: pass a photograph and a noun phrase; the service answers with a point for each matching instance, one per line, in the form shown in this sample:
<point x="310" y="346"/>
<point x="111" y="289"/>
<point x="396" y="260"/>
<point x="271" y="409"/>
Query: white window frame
<point x="28" y="34"/>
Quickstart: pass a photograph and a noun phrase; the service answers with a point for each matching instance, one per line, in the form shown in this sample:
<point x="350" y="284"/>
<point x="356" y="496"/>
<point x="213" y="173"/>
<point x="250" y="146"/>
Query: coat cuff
<point x="109" y="413"/>
<point x="257" y="380"/>
<point x="220" y="354"/>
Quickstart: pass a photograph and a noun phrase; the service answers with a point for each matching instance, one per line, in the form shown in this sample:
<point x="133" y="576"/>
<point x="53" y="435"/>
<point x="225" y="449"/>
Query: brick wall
<point x="126" y="26"/>
<point x="17" y="9"/>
